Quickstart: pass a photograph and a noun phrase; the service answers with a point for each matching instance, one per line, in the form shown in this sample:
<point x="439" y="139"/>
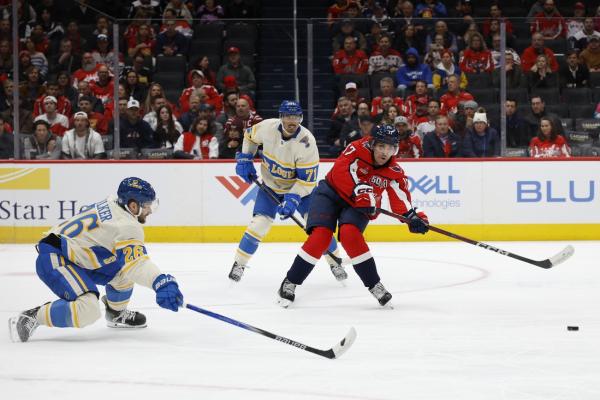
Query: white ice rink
<point x="468" y="324"/>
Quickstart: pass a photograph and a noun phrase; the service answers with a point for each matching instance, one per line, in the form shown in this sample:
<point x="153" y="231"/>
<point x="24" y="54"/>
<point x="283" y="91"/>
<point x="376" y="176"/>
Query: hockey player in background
<point x="290" y="164"/>
<point x="102" y="245"/>
<point x="348" y="198"/>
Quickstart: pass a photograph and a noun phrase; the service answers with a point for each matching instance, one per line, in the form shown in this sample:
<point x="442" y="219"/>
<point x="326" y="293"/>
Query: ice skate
<point x="382" y="295"/>
<point x="22" y="326"/>
<point x="337" y="269"/>
<point x="123" y="319"/>
<point x="286" y="293"/>
<point x="237" y="271"/>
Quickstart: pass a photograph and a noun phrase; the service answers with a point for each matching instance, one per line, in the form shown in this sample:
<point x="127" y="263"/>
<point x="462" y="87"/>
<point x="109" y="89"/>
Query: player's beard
<point x="141" y="219"/>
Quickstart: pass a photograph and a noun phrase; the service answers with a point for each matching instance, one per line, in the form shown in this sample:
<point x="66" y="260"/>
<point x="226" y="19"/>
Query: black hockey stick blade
<point x="333" y="353"/>
<point x="546" y="264"/>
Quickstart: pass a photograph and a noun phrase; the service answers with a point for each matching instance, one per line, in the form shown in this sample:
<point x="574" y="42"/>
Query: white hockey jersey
<point x="109" y="242"/>
<point x="288" y="165"/>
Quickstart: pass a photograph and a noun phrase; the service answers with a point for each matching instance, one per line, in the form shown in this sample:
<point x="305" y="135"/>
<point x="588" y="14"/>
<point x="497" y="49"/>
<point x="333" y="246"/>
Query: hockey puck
<point x="572" y="328"/>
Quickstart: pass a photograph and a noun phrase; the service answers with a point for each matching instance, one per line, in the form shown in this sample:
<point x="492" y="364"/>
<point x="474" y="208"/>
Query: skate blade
<point x="284" y="303"/>
<point x="12" y="329"/>
<point x="116" y="325"/>
<point x="387" y="306"/>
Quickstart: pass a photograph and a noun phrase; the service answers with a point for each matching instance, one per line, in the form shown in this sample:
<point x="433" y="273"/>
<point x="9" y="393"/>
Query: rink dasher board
<point x="204" y="201"/>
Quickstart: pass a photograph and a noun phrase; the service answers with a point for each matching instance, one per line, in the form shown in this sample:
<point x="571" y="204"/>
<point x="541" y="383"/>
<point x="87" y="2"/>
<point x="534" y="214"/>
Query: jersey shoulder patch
<point x="396" y="168"/>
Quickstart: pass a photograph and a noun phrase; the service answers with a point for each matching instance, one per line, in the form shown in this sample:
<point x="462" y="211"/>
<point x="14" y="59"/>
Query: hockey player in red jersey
<point x="348" y="197"/>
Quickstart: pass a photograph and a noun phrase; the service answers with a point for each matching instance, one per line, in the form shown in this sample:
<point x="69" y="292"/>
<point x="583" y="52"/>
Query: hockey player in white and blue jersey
<point x="290" y="165"/>
<point x="102" y="245"/>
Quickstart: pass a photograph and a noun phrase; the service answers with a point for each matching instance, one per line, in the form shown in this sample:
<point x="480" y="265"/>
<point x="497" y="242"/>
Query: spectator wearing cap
<point x="42" y="145"/>
<point x="537" y="47"/>
<point x="386" y="88"/>
<point x="573" y="74"/>
<point x="441" y="142"/>
<point x="103" y="54"/>
<point x="103" y="88"/>
<point x="575" y="24"/>
<point x="350" y="60"/>
<point x="463" y="119"/>
<point x="591" y="55"/>
<point x="412" y="71"/>
<point x="198" y="144"/>
<point x="58" y="123"/>
<point x="549" y="22"/>
<point x="581" y="39"/>
<point x="454" y="95"/>
<point x="171" y="42"/>
<point x="63" y="104"/>
<point x="481" y="140"/>
<point x="234" y="67"/>
<point x="410" y="145"/>
<point x="385" y="59"/>
<point x="96" y="120"/>
<point x="134" y="131"/>
<point x="7" y="142"/>
<point x="348" y="29"/>
<point x="210" y="93"/>
<point x="82" y="142"/>
<point x="65" y="59"/>
<point x="88" y="71"/>
<point x="351" y="92"/>
<point x="445" y="68"/>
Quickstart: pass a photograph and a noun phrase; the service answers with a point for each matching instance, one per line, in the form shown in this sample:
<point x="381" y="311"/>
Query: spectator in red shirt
<point x="334" y="11"/>
<point x="449" y="100"/>
<point x="211" y="97"/>
<point x="530" y="54"/>
<point x="59" y="123"/>
<point x="88" y="71"/>
<point x="549" y="22"/>
<point x="420" y="97"/>
<point x="103" y="87"/>
<point x="198" y="144"/>
<point x="141" y="42"/>
<point x="410" y="145"/>
<point x="63" y="104"/>
<point x="476" y="57"/>
<point x="96" y="120"/>
<point x="387" y="89"/>
<point x="350" y="60"/>
<point x="548" y="143"/>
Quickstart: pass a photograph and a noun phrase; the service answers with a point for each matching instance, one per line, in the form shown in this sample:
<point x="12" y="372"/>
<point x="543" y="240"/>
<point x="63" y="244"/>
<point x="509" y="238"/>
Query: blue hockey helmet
<point x="290" y="107"/>
<point x="386" y="134"/>
<point x="138" y="190"/>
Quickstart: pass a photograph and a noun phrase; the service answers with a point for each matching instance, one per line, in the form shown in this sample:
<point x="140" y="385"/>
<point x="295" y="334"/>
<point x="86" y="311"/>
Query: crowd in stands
<point x="433" y="68"/>
<point x="184" y="88"/>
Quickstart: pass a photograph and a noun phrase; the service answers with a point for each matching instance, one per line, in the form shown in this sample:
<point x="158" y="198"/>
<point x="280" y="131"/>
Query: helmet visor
<point x="295" y="118"/>
<point x="150" y="206"/>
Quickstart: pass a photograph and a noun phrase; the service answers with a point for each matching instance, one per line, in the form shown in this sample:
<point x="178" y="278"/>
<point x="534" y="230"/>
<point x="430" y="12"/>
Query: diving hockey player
<point x="103" y="245"/>
<point x="290" y="164"/>
<point x="348" y="197"/>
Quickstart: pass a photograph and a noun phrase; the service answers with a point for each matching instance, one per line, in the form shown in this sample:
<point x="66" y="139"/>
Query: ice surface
<point x="467" y="324"/>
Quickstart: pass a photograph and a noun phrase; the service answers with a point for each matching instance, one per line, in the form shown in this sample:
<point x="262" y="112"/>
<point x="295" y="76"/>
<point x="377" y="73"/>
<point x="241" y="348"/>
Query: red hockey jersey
<point x="355" y="165"/>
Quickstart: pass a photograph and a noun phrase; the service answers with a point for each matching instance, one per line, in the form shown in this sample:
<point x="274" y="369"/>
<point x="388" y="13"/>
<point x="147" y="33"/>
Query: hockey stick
<point x="293" y="217"/>
<point x="547" y="263"/>
<point x="333" y="353"/>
